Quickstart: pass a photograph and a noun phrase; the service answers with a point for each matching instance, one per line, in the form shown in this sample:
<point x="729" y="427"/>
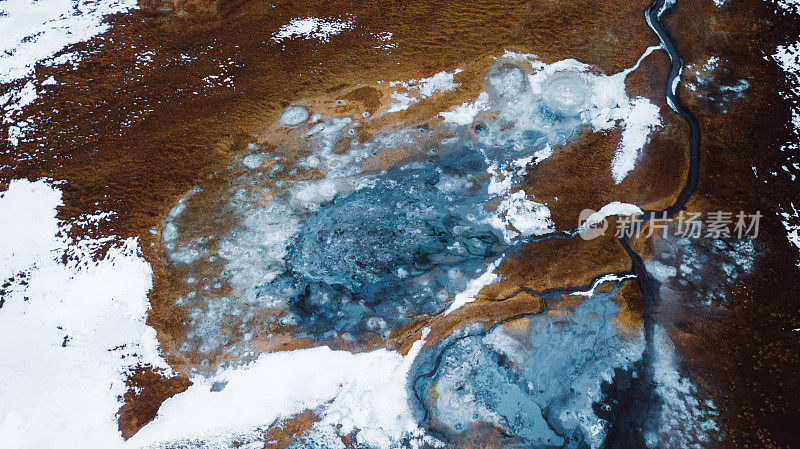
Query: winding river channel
<point x="311" y="237"/>
<point x="625" y="427"/>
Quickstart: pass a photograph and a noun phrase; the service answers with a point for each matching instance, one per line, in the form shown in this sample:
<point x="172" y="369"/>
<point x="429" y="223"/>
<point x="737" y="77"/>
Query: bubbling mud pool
<point x="328" y="235"/>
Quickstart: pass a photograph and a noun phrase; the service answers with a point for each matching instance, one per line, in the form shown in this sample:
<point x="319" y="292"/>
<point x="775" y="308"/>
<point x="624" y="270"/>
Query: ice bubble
<point x="170" y="232"/>
<point x="566" y="93"/>
<point x="253" y="161"/>
<point x="507" y="82"/>
<point x="294" y="115"/>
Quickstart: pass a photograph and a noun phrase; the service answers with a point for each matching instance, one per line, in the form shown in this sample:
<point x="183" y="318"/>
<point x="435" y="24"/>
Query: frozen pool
<point x="320" y="237"/>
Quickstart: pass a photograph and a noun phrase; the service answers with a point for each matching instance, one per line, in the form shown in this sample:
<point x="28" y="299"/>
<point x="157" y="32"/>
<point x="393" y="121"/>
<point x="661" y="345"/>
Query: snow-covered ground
<point x="69" y="330"/>
<point x="312" y="28"/>
<point x="72" y="330"/>
<point x="32" y="31"/>
<point x="364" y="392"/>
<point x="409" y="92"/>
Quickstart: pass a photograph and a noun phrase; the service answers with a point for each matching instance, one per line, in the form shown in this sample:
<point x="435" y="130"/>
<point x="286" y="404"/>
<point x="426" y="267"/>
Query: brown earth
<point x="747" y="358"/>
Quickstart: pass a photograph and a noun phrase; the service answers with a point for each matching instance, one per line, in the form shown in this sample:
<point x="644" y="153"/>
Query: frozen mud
<point x="321" y="237"/>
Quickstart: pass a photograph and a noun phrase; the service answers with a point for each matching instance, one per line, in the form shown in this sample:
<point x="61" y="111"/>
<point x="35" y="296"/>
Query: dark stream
<point x="629" y="403"/>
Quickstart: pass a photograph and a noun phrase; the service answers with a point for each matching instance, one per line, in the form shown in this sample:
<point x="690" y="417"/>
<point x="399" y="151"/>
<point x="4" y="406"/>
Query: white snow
<point x="32" y="31"/>
<point x="791" y="222"/>
<point x="13" y="102"/>
<point x="95" y="309"/>
<point x="789" y="5"/>
<point x="28" y="225"/>
<point x="350" y="391"/>
<point x="412" y="91"/>
<point x="642" y="119"/>
<point x="465" y="113"/>
<point x="312" y="28"/>
<point x="610" y="209"/>
<point x="400" y="101"/>
<point x="500" y="183"/>
<point x="474" y="286"/>
<point x="440" y="82"/>
<point x="711" y="64"/>
<point x="667" y="5"/>
<point x="788" y="57"/>
<point x="607" y="278"/>
<point x="638" y="117"/>
<point x="385" y="41"/>
<point x="525" y="216"/>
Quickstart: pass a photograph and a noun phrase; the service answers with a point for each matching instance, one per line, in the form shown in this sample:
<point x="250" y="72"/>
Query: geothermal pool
<point x="333" y="242"/>
<point x="377" y="225"/>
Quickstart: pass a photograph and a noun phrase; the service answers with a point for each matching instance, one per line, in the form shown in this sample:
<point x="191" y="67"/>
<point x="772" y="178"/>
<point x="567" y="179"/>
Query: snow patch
<point x="412" y="91"/>
<point x="610" y="209"/>
<point x="789" y="5"/>
<point x="87" y="316"/>
<point x="13" y="102"/>
<point x="642" y="119"/>
<point x="36" y="30"/>
<point x="791" y="221"/>
<point x="607" y="278"/>
<point x="474" y="287"/>
<point x="364" y="392"/>
<point x="465" y="113"/>
<point x="526" y="217"/>
<point x="308" y="28"/>
<point x="788" y="57"/>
